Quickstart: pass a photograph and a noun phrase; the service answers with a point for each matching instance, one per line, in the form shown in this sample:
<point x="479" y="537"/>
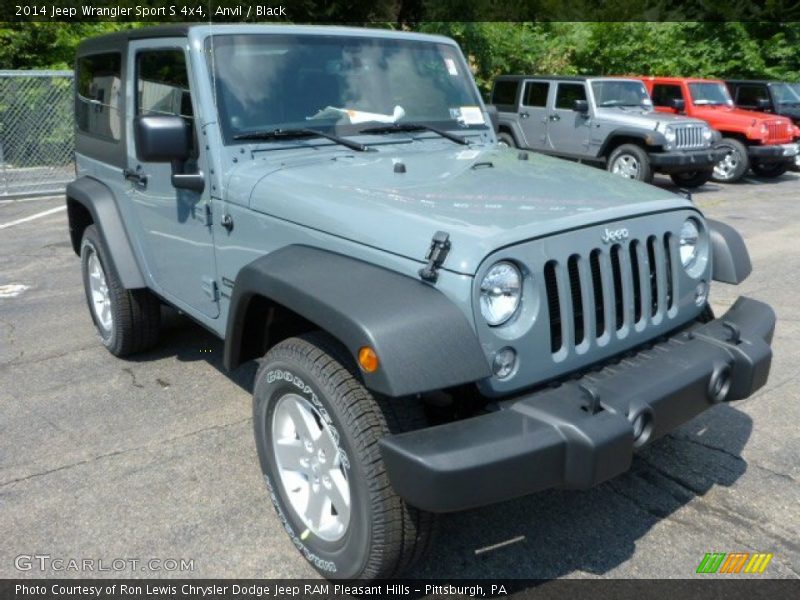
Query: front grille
<point x="689" y="137"/>
<point x="608" y="291"/>
<point x="778" y="132"/>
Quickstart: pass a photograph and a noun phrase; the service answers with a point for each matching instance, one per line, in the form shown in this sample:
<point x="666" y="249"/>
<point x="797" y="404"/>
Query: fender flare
<point x="730" y="258"/>
<point x="98" y="199"/>
<point x="630" y="132"/>
<point x="423" y="341"/>
<point x="514" y="129"/>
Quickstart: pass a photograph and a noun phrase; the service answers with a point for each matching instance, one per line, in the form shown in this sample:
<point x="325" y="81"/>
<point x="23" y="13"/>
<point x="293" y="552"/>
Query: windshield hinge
<point x="440" y="246"/>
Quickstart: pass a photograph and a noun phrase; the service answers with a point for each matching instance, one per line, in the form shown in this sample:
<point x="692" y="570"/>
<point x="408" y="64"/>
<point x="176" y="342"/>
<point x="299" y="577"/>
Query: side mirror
<point x="678" y="104"/>
<point x="164" y="138"/>
<point x="494" y="117"/>
<point x="763" y="104"/>
<point x="581" y="106"/>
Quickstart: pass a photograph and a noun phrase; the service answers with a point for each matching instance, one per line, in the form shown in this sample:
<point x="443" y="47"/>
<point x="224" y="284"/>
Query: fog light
<point x="504" y="363"/>
<point x="701" y="293"/>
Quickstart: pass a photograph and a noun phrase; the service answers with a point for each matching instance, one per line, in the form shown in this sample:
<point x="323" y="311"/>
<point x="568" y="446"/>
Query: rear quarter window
<point x="504" y="95"/>
<point x="98" y="95"/>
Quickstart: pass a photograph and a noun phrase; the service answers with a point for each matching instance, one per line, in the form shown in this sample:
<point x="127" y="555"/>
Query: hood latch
<point x="440" y="246"/>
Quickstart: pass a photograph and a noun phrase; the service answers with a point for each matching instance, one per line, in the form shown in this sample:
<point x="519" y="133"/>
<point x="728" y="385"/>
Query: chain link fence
<point x="36" y="132"/>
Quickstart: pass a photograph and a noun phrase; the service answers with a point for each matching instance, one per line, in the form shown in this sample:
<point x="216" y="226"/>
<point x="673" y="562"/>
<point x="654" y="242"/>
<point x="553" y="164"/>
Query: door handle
<point x="135" y="177"/>
<point x="523" y="115"/>
<point x="554" y="117"/>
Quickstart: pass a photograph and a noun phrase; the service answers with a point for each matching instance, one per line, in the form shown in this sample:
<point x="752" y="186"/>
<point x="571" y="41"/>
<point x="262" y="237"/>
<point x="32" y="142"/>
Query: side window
<point x="98" y="95"/>
<point x="162" y="85"/>
<point x="536" y="93"/>
<point x="749" y="95"/>
<point x="664" y="94"/>
<point x="504" y="94"/>
<point x="567" y="93"/>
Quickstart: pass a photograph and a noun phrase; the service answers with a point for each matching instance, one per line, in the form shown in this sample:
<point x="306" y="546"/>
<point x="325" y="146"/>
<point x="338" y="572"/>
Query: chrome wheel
<point x="98" y="287"/>
<point x="626" y="166"/>
<point x="726" y="168"/>
<point x="310" y="467"/>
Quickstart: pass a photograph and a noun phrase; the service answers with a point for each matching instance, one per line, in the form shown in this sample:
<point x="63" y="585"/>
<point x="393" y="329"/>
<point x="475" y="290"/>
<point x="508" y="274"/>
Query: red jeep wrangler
<point x="750" y="139"/>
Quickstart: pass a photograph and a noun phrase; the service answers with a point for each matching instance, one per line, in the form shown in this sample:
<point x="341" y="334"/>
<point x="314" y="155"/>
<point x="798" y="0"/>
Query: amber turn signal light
<point x="368" y="359"/>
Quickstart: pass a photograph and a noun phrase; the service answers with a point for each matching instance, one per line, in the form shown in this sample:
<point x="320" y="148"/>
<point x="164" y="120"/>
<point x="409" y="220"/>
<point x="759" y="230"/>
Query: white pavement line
<point x="12" y="290"/>
<point x="32" y="199"/>
<point x="44" y="213"/>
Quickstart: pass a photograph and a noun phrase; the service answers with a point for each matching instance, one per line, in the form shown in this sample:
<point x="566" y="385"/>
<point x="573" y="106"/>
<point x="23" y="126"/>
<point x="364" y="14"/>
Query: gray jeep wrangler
<point x="439" y="320"/>
<point x="608" y="122"/>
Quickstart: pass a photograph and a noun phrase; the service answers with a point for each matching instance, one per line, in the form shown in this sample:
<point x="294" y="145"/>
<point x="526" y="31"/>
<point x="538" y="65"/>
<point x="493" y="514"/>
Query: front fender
<point x="730" y="259"/>
<point x="423" y="341"/>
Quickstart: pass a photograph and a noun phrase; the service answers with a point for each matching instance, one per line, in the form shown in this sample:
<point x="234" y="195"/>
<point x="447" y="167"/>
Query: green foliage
<point x="707" y="49"/>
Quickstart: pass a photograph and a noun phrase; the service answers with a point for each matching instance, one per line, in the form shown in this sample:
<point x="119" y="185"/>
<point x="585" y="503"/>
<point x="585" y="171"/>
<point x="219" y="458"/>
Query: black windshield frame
<point x="468" y="92"/>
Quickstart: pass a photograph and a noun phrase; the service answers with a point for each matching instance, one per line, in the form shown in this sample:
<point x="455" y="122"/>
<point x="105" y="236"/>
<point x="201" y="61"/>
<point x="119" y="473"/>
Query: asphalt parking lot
<point x="102" y="458"/>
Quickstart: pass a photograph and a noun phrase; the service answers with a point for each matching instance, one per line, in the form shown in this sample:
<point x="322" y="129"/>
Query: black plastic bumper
<point x="773" y="154"/>
<point x="583" y="432"/>
<point x="688" y="160"/>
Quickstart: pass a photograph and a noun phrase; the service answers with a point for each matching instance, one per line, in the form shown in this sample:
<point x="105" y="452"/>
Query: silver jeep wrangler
<point x="439" y="320"/>
<point x="608" y="122"/>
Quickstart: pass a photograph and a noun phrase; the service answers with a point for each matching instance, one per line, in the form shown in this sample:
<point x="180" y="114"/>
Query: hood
<point x="484" y="197"/>
<point x="709" y="112"/>
<point x="644" y="118"/>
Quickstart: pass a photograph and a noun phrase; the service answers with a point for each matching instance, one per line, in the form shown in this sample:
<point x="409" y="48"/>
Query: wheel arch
<point x="91" y="202"/>
<point x="423" y="341"/>
<point x="618" y="137"/>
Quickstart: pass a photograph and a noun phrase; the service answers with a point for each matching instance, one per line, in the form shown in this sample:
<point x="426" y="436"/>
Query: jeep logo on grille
<point x="614" y="235"/>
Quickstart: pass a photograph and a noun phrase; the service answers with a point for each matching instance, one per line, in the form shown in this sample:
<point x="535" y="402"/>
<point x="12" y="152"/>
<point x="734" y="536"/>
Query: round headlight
<point x="669" y="135"/>
<point x="707" y="135"/>
<point x="501" y="290"/>
<point x="690" y="235"/>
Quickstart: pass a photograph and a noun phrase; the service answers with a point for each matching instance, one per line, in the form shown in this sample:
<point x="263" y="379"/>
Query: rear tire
<point x="632" y="162"/>
<point x="506" y="139"/>
<point x="691" y="179"/>
<point x="127" y="321"/>
<point x="363" y="529"/>
<point x="735" y="164"/>
<point x="769" y="170"/>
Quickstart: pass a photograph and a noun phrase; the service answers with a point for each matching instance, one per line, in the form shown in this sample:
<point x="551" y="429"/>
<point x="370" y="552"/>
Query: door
<point x="568" y="129"/>
<point x="175" y="223"/>
<point x="533" y="113"/>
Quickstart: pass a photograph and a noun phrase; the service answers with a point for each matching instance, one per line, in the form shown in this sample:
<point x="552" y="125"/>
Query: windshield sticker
<point x="471" y="115"/>
<point x="451" y="66"/>
<point x="359" y="116"/>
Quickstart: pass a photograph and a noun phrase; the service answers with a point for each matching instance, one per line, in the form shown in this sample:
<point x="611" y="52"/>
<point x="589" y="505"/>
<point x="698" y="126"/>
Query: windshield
<point x="785" y="93"/>
<point x="337" y="83"/>
<point x="713" y="94"/>
<point x="621" y="93"/>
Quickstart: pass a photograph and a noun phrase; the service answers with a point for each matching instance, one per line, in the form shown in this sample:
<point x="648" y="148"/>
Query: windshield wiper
<point x="276" y="134"/>
<point x="416" y="127"/>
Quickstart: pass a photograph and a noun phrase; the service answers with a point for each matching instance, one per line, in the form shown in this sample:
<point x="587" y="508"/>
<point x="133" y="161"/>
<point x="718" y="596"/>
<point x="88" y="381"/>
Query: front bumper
<point x="686" y="160"/>
<point x="782" y="153"/>
<point x="585" y="431"/>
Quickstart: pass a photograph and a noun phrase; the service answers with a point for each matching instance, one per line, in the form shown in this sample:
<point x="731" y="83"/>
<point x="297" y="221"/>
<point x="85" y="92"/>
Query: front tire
<point x="735" y="164"/>
<point x="769" y="170"/>
<point x="506" y="140"/>
<point x="691" y="179"/>
<point x="127" y="321"/>
<point x="632" y="162"/>
<point x="317" y="430"/>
